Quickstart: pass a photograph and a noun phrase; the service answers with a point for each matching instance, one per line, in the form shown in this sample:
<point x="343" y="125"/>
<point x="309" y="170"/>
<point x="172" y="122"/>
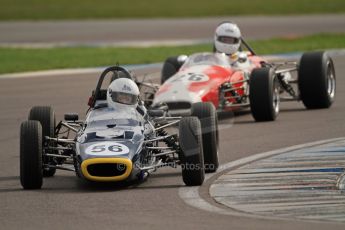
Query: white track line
<point x="126" y="44"/>
<point x="74" y="71"/>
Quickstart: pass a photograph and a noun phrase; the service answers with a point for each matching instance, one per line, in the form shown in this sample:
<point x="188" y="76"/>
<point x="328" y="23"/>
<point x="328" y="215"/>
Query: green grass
<point x="90" y="9"/>
<point x="18" y="59"/>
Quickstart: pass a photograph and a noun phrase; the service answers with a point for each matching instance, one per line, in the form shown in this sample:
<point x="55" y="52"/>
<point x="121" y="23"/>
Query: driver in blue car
<point x="123" y="97"/>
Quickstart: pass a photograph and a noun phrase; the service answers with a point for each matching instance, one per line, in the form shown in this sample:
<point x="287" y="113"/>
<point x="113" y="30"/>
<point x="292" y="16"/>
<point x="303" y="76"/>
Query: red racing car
<point x="249" y="81"/>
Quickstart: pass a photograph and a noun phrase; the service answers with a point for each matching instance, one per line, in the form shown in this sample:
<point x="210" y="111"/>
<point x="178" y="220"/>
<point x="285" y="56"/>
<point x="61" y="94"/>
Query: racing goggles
<point x="228" y="40"/>
<point x="124" y="98"/>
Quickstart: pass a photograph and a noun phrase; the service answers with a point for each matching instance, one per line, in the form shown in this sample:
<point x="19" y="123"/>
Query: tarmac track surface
<point x="160" y="31"/>
<point x="66" y="203"/>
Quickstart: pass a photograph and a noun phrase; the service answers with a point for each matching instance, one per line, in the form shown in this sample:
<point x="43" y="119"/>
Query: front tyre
<point x="264" y="94"/>
<point x="207" y="115"/>
<point x="31" y="173"/>
<point x="316" y="80"/>
<point x="191" y="154"/>
<point x="170" y="67"/>
<point x="46" y="116"/>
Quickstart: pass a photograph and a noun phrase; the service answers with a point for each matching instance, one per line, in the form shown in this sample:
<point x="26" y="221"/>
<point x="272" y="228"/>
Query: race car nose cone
<point x="106" y="169"/>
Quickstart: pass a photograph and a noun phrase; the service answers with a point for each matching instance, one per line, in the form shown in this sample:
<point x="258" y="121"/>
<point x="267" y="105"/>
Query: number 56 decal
<point x="107" y="148"/>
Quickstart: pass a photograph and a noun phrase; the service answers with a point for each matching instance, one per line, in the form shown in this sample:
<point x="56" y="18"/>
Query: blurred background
<point x="47" y="34"/>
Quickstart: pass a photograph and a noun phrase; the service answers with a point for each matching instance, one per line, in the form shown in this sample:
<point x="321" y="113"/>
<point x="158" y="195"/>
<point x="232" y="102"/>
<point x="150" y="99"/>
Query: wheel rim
<point x="330" y="81"/>
<point x="276" y="98"/>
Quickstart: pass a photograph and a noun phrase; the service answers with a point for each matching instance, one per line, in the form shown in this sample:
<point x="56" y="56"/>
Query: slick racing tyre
<point x="264" y="94"/>
<point x="170" y="67"/>
<point x="207" y="115"/>
<point x="31" y="155"/>
<point x="191" y="155"/>
<point x="316" y="80"/>
<point x="46" y="116"/>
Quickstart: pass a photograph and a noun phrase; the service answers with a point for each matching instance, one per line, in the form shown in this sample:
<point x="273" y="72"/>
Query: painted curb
<point x="341" y="182"/>
<point x="190" y="195"/>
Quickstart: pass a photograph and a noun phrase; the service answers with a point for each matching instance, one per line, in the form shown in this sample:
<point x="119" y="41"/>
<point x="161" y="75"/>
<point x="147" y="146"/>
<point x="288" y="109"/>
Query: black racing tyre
<point x="191" y="154"/>
<point x="264" y="94"/>
<point x="46" y="116"/>
<point x="31" y="173"/>
<point x="316" y="80"/>
<point x="170" y="67"/>
<point x="207" y="115"/>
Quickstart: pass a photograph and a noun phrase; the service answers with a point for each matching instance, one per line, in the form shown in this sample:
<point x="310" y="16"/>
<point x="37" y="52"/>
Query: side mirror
<point x="161" y="106"/>
<point x="90" y="102"/>
<point x="182" y="58"/>
<point x="156" y="113"/>
<point x="242" y="57"/>
<point x="71" y="117"/>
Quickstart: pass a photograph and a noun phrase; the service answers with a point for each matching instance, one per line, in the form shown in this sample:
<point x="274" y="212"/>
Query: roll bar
<point x="113" y="69"/>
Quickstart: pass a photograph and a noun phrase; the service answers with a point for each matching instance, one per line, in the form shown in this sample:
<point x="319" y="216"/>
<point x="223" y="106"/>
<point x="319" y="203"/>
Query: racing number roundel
<point x="107" y="148"/>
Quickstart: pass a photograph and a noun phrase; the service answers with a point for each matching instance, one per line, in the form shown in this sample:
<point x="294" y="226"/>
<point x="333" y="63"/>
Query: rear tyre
<point x="31" y="155"/>
<point x="170" y="67"/>
<point x="264" y="94"/>
<point x="316" y="80"/>
<point x="207" y="115"/>
<point x="46" y="116"/>
<point x="191" y="155"/>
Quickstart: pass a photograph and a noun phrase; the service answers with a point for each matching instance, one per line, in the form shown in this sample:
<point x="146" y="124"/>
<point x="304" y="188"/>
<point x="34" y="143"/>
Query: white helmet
<point x="227" y="38"/>
<point x="122" y="93"/>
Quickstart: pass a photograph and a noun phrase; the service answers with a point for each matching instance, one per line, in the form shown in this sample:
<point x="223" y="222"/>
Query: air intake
<point x="107" y="169"/>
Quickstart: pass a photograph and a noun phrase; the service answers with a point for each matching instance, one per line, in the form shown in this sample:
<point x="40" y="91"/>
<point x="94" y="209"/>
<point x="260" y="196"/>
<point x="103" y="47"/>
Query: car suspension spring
<point x="170" y="141"/>
<point x="287" y="87"/>
<point x="228" y="86"/>
<point x="76" y="164"/>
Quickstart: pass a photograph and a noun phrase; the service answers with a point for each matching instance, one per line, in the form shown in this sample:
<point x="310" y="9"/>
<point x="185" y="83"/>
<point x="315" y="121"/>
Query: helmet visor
<point x="228" y="40"/>
<point x="124" y="98"/>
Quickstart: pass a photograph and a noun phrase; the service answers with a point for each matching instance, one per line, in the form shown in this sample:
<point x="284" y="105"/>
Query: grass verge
<point x="20" y="59"/>
<point x="106" y="9"/>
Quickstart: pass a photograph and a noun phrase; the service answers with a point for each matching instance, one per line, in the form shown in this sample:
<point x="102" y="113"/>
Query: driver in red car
<point x="227" y="40"/>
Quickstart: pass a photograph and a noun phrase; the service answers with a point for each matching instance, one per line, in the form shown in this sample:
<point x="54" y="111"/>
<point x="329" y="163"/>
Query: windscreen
<point x="207" y="59"/>
<point x="112" y="123"/>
